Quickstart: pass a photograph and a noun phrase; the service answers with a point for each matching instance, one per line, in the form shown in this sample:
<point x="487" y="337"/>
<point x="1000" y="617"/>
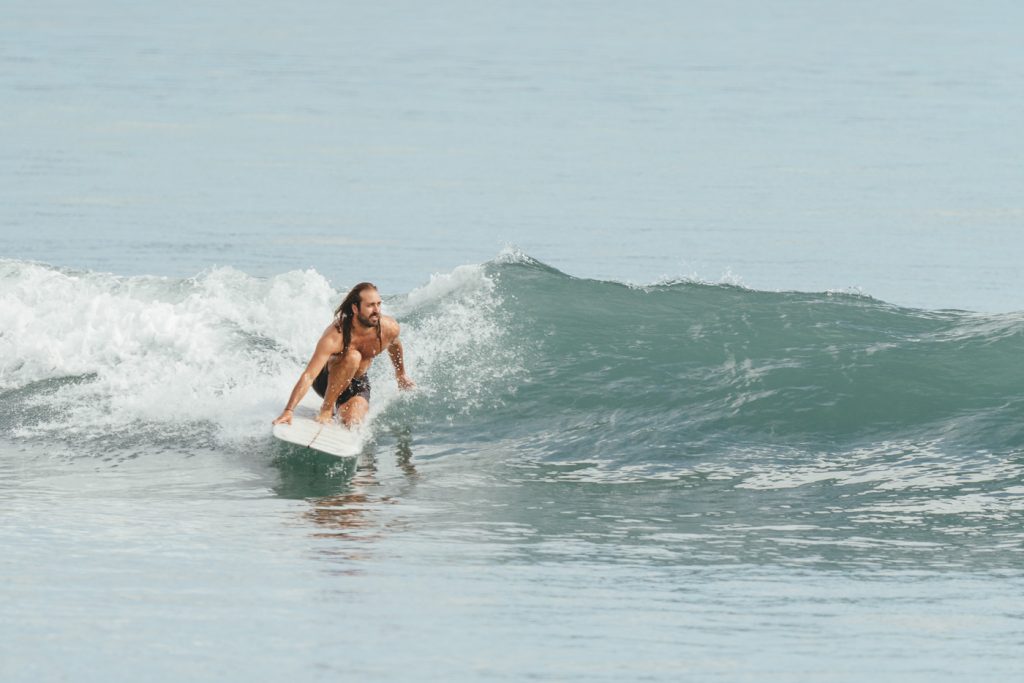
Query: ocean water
<point x="714" y="310"/>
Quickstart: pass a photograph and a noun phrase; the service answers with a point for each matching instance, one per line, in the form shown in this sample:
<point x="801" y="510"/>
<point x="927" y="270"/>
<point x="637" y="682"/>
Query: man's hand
<point x="285" y="417"/>
<point x="325" y="417"/>
<point x="404" y="383"/>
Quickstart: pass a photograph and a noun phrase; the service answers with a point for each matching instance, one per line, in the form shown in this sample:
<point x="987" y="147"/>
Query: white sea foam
<point x="154" y="350"/>
<point x="222" y="349"/>
<point x="468" y="280"/>
<point x="511" y="254"/>
<point x="457" y="338"/>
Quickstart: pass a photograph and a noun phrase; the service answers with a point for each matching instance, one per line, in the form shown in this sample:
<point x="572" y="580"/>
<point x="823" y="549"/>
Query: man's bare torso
<point x="365" y="341"/>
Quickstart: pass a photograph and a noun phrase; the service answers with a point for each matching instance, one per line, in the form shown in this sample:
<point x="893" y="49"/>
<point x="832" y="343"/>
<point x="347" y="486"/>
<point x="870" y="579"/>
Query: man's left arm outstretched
<point x="397" y="359"/>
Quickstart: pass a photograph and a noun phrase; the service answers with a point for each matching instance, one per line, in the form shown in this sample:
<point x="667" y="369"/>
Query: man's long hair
<point x="343" y="314"/>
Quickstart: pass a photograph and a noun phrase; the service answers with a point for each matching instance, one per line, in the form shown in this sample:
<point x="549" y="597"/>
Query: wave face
<point x="599" y="380"/>
<point x="684" y="367"/>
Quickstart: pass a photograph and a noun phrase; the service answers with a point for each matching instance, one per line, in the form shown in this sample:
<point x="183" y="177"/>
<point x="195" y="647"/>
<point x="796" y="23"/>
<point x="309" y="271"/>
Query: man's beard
<point x="366" y="322"/>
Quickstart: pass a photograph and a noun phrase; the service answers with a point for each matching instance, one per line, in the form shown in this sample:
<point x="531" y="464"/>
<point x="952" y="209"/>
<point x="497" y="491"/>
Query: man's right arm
<point x="324" y="348"/>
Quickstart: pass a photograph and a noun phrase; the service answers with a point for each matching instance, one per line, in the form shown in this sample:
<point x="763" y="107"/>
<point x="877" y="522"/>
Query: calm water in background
<point x="180" y="172"/>
<point x="796" y="145"/>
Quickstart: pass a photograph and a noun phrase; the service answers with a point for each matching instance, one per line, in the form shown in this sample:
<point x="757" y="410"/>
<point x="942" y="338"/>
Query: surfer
<point x="337" y="370"/>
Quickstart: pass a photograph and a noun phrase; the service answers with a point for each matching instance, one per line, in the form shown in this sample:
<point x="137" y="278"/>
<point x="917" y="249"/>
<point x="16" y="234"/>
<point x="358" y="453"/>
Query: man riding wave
<point x="337" y="370"/>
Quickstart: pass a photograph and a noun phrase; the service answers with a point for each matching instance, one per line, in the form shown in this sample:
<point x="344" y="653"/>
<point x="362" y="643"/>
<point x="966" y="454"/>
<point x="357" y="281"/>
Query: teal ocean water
<point x="588" y="469"/>
<point x="714" y="310"/>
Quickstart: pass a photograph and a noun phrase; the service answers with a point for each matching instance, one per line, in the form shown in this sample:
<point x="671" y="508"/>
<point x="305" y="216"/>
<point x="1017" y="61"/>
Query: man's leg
<point x="354" y="410"/>
<point x="341" y="370"/>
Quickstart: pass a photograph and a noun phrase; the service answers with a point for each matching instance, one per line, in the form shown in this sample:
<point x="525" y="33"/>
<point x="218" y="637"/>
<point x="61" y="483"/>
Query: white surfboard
<point x="334" y="439"/>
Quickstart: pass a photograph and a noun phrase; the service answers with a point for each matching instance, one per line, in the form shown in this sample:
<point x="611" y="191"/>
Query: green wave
<point x="677" y="368"/>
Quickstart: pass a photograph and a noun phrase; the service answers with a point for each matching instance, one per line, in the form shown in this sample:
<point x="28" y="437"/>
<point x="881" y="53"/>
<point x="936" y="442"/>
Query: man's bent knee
<point x="350" y="358"/>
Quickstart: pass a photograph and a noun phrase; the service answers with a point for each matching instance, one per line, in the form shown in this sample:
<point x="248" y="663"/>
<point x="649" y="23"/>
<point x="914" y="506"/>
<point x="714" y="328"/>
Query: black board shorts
<point x="359" y="386"/>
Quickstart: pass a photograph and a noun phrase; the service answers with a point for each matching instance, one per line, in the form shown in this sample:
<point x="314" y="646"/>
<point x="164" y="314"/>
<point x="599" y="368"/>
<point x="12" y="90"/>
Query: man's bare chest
<point x="368" y="346"/>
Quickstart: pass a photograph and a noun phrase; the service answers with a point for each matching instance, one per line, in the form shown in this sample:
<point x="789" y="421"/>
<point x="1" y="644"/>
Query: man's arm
<point x="324" y="348"/>
<point x="395" y="353"/>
